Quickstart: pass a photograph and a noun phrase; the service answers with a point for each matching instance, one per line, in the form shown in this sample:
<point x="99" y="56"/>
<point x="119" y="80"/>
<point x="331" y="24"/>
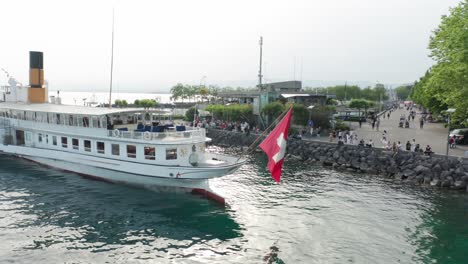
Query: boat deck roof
<point x="68" y="109"/>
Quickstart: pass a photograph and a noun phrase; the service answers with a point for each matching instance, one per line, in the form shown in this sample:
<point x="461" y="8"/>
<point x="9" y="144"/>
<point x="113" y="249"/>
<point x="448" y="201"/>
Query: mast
<point x="260" y="67"/>
<point x="112" y="62"/>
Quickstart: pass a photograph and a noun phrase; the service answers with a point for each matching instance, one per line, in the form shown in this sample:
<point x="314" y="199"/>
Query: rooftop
<point x="67" y="109"/>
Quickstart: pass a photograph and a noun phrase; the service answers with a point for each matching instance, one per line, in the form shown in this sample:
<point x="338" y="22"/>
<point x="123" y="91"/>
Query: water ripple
<point x="314" y="216"/>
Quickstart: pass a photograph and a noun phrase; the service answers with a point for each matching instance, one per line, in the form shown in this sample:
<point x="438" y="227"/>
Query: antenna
<point x="301" y="74"/>
<point x="345" y="91"/>
<point x="260" y="68"/>
<point x="294" y="69"/>
<point x="112" y="61"/>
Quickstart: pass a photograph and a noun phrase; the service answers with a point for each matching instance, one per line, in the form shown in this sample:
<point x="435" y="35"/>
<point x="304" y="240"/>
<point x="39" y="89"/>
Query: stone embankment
<point x="407" y="167"/>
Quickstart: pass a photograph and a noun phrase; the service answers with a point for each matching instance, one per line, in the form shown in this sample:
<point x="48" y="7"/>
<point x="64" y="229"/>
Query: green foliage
<point x="349" y="92"/>
<point x="445" y="84"/>
<point x="321" y="115"/>
<point x="300" y="114"/>
<point x="403" y="92"/>
<point x="233" y="112"/>
<point x="331" y="101"/>
<point x="340" y="125"/>
<point x="120" y="103"/>
<point x="190" y="114"/>
<point x="145" y="103"/>
<point x="273" y="109"/>
<point x="360" y="104"/>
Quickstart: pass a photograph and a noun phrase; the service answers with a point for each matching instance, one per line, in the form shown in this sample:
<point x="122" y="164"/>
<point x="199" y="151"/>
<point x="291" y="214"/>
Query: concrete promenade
<point x="433" y="134"/>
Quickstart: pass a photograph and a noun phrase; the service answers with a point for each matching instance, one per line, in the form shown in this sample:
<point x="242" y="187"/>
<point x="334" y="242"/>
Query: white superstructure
<point x="118" y="145"/>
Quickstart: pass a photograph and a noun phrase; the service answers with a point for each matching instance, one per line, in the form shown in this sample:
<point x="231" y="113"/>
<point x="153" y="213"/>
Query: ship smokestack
<point x="37" y="92"/>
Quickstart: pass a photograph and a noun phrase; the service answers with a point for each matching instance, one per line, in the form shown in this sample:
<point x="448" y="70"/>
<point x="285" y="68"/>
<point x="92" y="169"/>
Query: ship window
<point x="75" y="143"/>
<point x="64" y="142"/>
<point x="171" y="153"/>
<point x="100" y="147"/>
<point x="57" y="118"/>
<point x="85" y="121"/>
<point x="54" y="140"/>
<point x="131" y="151"/>
<point x="87" y="145"/>
<point x="95" y="121"/>
<point x="116" y="149"/>
<point x="39" y="137"/>
<point x="150" y="153"/>
<point x="70" y="120"/>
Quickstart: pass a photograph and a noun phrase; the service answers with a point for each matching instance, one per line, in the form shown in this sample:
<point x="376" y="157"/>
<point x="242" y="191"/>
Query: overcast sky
<point x="160" y="43"/>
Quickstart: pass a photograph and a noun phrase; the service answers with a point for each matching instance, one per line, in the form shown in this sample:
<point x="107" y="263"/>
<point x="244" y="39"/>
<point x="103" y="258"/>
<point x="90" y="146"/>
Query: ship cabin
<point x="137" y="135"/>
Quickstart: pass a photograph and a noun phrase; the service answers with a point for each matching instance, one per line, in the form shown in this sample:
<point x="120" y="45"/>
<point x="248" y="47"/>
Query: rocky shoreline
<point x="407" y="167"/>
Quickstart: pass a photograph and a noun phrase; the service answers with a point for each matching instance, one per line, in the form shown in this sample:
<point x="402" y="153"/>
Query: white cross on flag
<point x="274" y="146"/>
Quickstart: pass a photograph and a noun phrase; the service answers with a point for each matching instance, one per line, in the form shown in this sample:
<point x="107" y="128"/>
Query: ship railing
<point x="158" y="136"/>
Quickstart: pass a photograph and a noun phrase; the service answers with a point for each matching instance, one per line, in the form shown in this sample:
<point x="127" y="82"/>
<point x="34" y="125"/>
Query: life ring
<point x="147" y="135"/>
<point x="116" y="133"/>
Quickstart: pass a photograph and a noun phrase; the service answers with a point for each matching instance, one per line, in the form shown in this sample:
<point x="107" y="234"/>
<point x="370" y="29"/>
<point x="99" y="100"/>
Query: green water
<point x="314" y="216"/>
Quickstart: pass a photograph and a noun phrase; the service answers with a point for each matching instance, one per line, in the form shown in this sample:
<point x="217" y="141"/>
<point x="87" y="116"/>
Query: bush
<point x="340" y="125"/>
<point x="322" y="115"/>
<point x="190" y="113"/>
<point x="234" y="112"/>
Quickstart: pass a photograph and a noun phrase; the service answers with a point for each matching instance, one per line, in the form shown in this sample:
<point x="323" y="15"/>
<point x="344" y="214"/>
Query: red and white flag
<point x="274" y="146"/>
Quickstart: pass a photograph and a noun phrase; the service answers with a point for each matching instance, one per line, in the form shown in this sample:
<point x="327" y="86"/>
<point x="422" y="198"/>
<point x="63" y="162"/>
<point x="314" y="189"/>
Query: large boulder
<point x="421" y="169"/>
<point x="459" y="185"/>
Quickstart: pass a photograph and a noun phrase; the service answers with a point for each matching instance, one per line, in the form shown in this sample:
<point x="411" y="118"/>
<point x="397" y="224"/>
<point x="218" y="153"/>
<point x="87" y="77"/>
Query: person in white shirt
<point x="413" y="145"/>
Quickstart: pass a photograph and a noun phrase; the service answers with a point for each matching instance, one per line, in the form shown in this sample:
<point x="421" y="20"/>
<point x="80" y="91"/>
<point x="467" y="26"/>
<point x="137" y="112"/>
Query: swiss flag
<point x="274" y="146"/>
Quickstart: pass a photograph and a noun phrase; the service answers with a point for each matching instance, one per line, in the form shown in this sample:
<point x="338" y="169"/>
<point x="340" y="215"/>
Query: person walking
<point x="413" y="145"/>
<point x="377" y="124"/>
<point x="388" y="115"/>
<point x="360" y="122"/>
<point x="395" y="148"/>
<point x="421" y="123"/>
<point x="373" y="124"/>
<point x="452" y="142"/>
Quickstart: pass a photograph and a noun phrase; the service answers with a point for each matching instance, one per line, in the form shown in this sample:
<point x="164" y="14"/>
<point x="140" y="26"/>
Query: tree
<point x="177" y="92"/>
<point x="445" y="84"/>
<point x="190" y="114"/>
<point x="146" y="103"/>
<point x="403" y="92"/>
<point x="360" y="104"/>
<point x="273" y="109"/>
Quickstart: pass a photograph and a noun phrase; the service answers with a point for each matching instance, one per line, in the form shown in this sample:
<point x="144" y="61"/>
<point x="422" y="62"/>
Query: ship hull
<point x="142" y="175"/>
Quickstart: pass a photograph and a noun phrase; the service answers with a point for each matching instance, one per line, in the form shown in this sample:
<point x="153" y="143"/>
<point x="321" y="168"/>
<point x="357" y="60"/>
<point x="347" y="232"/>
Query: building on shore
<point x="288" y="91"/>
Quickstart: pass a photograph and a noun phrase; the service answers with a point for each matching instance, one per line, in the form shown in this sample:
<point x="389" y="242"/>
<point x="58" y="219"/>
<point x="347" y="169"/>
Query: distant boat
<point x="113" y="144"/>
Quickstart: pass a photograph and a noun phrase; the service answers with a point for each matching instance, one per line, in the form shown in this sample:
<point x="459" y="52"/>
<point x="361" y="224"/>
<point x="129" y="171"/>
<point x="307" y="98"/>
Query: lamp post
<point x="449" y="112"/>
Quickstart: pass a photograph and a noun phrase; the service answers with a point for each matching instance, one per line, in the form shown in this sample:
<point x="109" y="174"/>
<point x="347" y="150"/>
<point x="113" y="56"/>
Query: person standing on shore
<point x="360" y="122"/>
<point x="408" y="146"/>
<point x="413" y="145"/>
<point x="378" y="124"/>
<point x="421" y="123"/>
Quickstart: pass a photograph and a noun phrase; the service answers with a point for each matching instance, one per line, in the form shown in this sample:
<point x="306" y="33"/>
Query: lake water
<point x="314" y="216"/>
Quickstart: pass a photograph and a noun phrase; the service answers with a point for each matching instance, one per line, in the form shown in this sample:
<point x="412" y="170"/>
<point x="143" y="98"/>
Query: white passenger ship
<point x="112" y="144"/>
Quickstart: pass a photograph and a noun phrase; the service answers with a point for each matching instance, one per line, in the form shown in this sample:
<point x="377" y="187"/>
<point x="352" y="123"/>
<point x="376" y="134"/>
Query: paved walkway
<point x="433" y="134"/>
